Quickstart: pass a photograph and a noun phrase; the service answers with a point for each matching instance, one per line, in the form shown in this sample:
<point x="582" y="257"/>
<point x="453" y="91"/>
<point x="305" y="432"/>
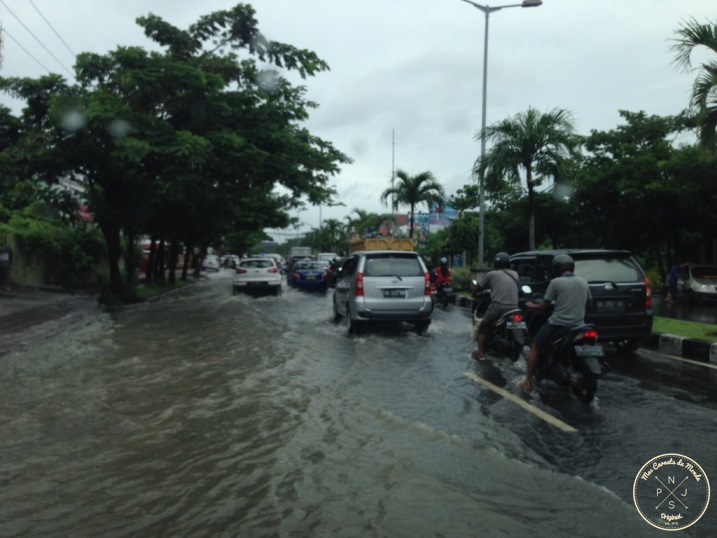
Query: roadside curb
<point x="687" y="348"/>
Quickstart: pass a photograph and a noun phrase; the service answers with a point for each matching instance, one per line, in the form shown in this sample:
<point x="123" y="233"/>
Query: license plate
<point x="310" y="277"/>
<point x="590" y="351"/>
<point x="255" y="283"/>
<point x="516" y="325"/>
<point x="394" y="294"/>
<point x="610" y="306"/>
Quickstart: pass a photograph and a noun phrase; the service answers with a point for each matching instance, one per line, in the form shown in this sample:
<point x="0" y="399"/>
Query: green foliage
<point x="70" y="254"/>
<point x="461" y="279"/>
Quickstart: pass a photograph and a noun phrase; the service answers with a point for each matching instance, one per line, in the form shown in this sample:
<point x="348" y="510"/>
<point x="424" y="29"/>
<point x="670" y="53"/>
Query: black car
<point x="621" y="293"/>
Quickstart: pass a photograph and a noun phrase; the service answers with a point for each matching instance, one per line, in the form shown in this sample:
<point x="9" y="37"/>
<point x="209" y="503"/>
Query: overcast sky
<point x="410" y="67"/>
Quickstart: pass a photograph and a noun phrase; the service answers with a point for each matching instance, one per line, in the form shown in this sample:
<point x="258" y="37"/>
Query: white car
<point x="257" y="274"/>
<point x="211" y="262"/>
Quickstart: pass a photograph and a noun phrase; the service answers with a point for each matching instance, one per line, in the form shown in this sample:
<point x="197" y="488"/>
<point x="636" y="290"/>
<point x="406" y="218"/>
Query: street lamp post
<point x="487" y="10"/>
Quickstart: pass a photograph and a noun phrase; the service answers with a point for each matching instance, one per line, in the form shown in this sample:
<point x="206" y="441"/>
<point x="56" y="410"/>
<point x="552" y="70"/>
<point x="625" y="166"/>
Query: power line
<point x="52" y="28"/>
<point x="36" y="39"/>
<point x="26" y="51"/>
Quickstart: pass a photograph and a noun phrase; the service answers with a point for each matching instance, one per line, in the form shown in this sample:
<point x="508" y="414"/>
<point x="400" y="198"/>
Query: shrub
<point x="71" y="254"/>
<point x="461" y="279"/>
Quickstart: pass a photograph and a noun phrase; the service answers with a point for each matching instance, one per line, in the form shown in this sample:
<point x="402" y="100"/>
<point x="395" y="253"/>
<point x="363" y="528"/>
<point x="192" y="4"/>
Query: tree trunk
<point x="151" y="261"/>
<point x="111" y="233"/>
<point x="159" y="264"/>
<point x="187" y="257"/>
<point x="410" y="234"/>
<point x="531" y="217"/>
<point x="130" y="257"/>
<point x="173" y="255"/>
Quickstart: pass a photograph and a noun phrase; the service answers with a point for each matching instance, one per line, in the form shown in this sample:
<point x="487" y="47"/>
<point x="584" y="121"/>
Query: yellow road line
<point x="550" y="419"/>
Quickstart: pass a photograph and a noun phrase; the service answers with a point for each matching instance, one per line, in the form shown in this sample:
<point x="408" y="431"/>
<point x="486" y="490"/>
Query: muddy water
<point x="207" y="414"/>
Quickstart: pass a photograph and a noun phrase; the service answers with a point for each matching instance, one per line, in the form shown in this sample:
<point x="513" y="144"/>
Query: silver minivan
<point x="388" y="285"/>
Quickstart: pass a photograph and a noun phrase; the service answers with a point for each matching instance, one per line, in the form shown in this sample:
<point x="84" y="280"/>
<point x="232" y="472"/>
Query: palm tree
<point x="413" y="190"/>
<point x="336" y="234"/>
<point x="540" y="145"/>
<point x="704" y="90"/>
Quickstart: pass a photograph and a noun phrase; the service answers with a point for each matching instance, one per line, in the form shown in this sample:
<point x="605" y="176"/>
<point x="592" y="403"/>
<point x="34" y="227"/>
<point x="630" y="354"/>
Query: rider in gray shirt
<point x="570" y="296"/>
<point x="503" y="286"/>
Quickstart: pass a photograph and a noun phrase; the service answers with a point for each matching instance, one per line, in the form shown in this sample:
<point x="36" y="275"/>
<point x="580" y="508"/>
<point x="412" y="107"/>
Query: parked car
<point x="257" y="274"/>
<point x="309" y="275"/>
<point x="383" y="285"/>
<point x="697" y="282"/>
<point x="211" y="262"/>
<point x="621" y="293"/>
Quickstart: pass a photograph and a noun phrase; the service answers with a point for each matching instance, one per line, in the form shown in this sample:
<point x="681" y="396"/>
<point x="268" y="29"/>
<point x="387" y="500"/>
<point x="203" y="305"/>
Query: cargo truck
<point x="380" y="243"/>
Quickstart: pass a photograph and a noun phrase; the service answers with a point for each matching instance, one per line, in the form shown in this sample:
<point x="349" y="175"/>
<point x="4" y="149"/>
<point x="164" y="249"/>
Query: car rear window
<point x="309" y="265"/>
<point x="392" y="265"/>
<point x="707" y="272"/>
<point x="608" y="270"/>
<point x="257" y="264"/>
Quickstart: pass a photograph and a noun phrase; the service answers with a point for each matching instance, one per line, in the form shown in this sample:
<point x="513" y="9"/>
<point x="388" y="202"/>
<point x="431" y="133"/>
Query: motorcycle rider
<point x="443" y="275"/>
<point x="570" y="298"/>
<point x="504" y="293"/>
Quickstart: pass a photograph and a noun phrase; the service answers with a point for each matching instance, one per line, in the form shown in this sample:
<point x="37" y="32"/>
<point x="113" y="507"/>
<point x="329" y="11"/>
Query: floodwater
<point x="207" y="414"/>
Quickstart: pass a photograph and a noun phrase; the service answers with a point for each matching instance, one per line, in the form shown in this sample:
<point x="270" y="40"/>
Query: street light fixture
<point x="487" y="10"/>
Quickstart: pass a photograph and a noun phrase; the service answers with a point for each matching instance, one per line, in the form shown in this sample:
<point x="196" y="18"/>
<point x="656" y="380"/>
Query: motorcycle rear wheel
<point x="586" y="389"/>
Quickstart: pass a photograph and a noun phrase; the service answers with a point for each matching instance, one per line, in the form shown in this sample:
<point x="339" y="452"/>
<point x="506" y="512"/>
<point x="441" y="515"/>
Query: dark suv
<point x="621" y="293"/>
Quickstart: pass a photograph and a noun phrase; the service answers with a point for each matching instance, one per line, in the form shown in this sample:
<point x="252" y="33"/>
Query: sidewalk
<point x="29" y="315"/>
<point x="669" y="344"/>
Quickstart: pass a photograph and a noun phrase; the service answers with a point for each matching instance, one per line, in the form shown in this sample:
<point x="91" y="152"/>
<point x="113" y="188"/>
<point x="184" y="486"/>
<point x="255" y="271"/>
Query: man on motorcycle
<point x="570" y="297"/>
<point x="504" y="292"/>
<point x="443" y="274"/>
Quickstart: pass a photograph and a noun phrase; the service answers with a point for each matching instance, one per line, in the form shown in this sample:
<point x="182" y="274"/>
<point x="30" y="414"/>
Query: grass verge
<point x="147" y="291"/>
<point x="688" y="329"/>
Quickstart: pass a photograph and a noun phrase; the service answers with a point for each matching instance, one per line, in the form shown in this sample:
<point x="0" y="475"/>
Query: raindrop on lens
<point x="268" y="81"/>
<point x="119" y="128"/>
<point x="73" y="121"/>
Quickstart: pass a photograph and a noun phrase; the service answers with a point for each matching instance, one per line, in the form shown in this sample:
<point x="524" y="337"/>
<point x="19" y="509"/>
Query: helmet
<point x="501" y="261"/>
<point x="444" y="261"/>
<point x="562" y="263"/>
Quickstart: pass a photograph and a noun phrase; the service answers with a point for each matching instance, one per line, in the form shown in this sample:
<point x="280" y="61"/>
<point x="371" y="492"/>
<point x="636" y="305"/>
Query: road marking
<point x="690" y="361"/>
<point x="550" y="419"/>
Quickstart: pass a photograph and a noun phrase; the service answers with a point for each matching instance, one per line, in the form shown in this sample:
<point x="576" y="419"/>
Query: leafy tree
<point x="413" y="191"/>
<point x="692" y="35"/>
<point x="540" y="145"/>
<point x="187" y="144"/>
<point x="628" y="194"/>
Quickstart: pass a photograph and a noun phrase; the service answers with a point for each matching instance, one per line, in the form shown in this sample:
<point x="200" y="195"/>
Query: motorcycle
<point x="332" y="274"/>
<point x="574" y="361"/>
<point x="509" y="335"/>
<point x="444" y="294"/>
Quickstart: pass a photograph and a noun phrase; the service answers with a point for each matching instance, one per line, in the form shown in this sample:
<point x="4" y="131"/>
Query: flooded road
<point x="207" y="414"/>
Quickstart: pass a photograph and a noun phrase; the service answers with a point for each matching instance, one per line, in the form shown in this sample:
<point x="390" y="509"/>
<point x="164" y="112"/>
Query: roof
<point x="573" y="251"/>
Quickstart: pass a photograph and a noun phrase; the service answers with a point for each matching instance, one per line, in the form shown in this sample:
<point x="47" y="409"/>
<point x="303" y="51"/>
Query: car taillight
<point x="648" y="293"/>
<point x="323" y="275"/>
<point x="427" y="285"/>
<point x="240" y="270"/>
<point x="517" y="316"/>
<point x="359" y="285"/>
<point x="273" y="269"/>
